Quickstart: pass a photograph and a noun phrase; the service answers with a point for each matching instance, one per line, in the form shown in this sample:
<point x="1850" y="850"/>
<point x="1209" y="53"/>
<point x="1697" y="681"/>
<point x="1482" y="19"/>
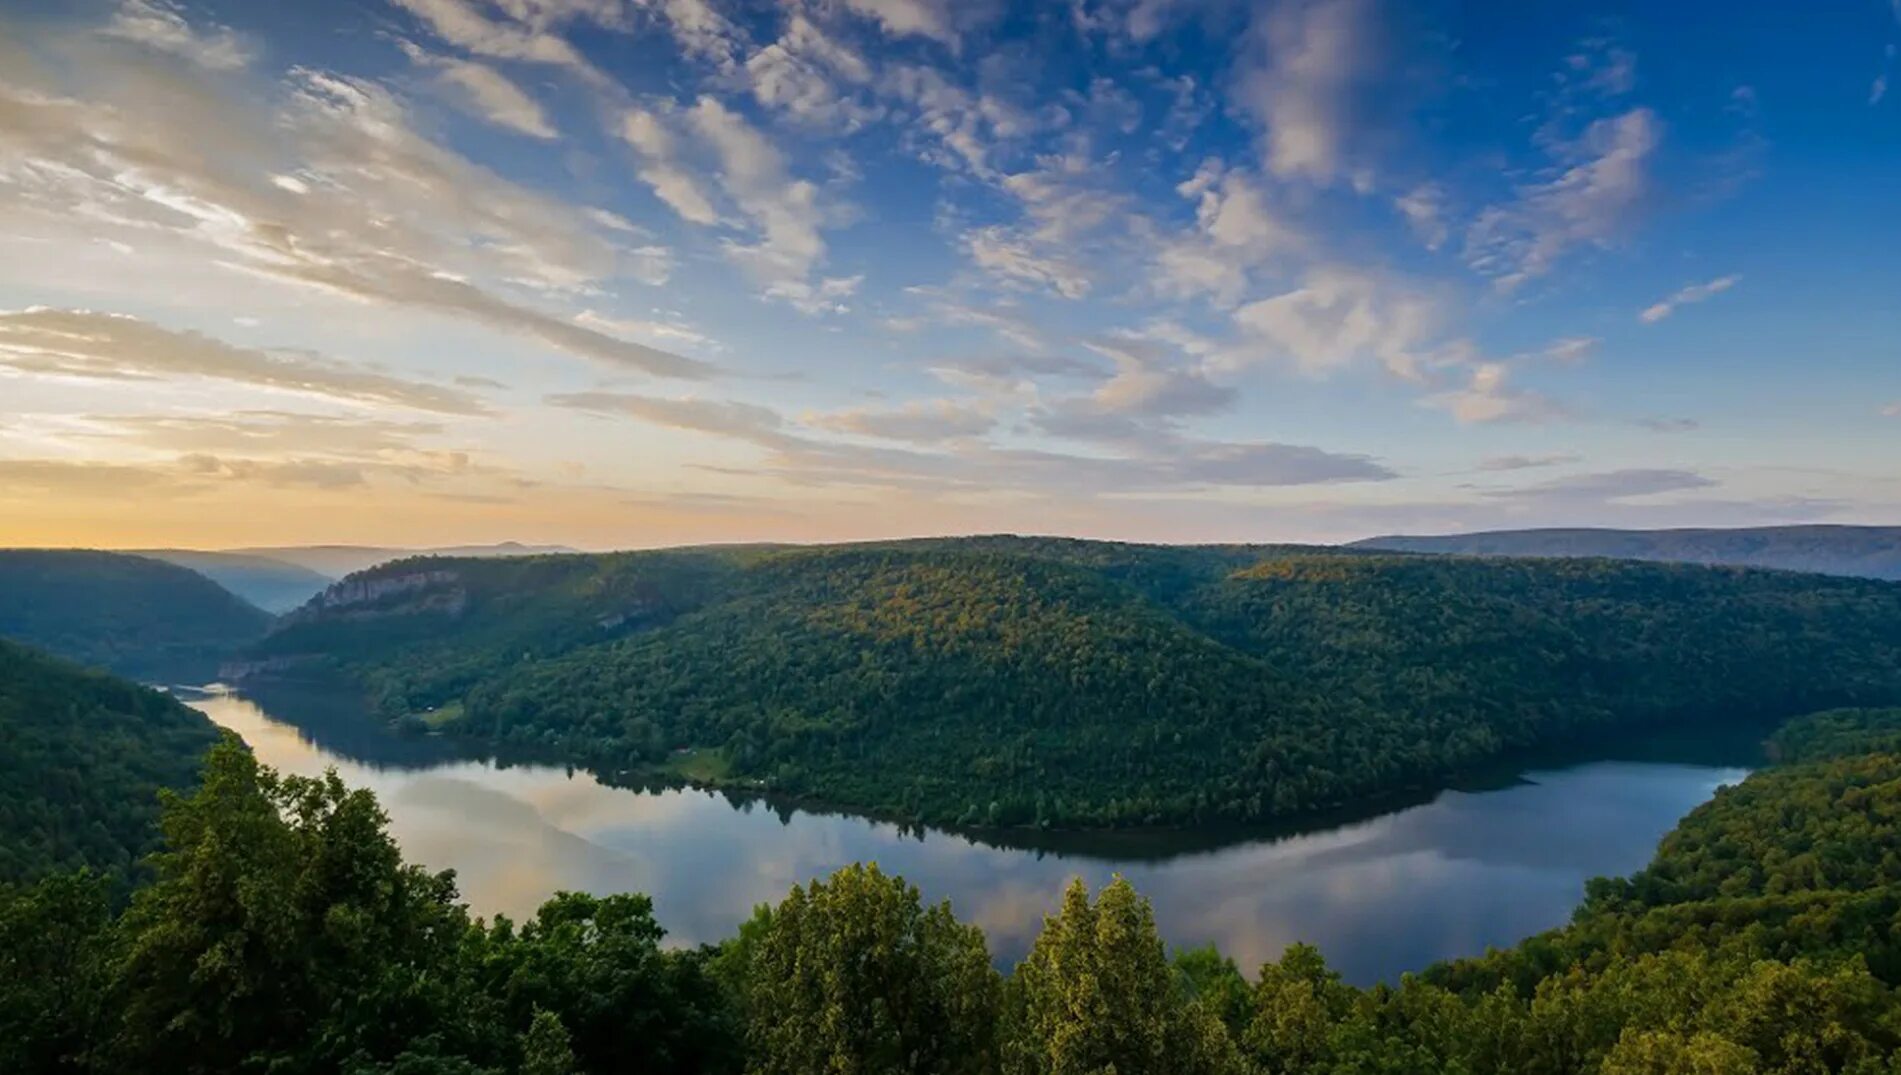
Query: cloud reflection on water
<point x="1380" y="896"/>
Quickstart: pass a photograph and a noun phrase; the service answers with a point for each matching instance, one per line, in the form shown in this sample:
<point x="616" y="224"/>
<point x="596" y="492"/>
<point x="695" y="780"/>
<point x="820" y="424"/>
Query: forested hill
<point x="135" y="616"/>
<point x="82" y="756"/>
<point x="1861" y="551"/>
<point x="1006" y="681"/>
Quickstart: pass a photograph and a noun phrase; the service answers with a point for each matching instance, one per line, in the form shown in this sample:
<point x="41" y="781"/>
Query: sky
<point x="626" y="273"/>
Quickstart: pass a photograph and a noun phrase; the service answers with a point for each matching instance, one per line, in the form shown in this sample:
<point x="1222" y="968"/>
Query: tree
<point x="55" y="940"/>
<point x="282" y="927"/>
<point x="595" y="964"/>
<point x="544" y="1049"/>
<point x="854" y="975"/>
<point x="1096" y="994"/>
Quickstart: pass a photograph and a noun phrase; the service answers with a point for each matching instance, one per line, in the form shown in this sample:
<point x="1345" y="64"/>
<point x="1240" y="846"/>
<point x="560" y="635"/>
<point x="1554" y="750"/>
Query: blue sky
<point x="636" y="272"/>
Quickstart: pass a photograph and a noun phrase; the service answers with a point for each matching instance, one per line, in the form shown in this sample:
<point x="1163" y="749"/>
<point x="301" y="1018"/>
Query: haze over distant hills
<point x="337" y="561"/>
<point x="281" y="578"/>
<point x="1861" y="551"/>
<point x="276" y="586"/>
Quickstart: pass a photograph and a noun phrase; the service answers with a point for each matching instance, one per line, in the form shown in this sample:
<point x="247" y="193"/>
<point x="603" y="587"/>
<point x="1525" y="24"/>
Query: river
<point x="1446" y="877"/>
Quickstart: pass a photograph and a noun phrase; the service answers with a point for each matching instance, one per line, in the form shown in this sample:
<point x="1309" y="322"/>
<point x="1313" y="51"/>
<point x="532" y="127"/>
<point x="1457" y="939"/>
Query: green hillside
<point x="82" y="756"/>
<point x="135" y="616"/>
<point x="1005" y="681"/>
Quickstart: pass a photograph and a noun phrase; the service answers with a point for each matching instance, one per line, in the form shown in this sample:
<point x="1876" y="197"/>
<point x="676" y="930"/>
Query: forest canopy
<point x="1025" y="681"/>
<point x="281" y="931"/>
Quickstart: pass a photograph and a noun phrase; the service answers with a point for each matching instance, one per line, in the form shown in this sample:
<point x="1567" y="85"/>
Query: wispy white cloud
<point x="919" y="421"/>
<point x="325" y="187"/>
<point x="524" y="32"/>
<point x="921" y="18"/>
<point x="1602" y="188"/>
<point x="1686" y="296"/>
<point x="161" y="24"/>
<point x="489" y="93"/>
<point x="1488" y="397"/>
<point x="87" y="344"/>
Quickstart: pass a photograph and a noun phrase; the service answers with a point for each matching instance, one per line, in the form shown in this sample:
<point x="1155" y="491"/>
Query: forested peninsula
<point x="1072" y="684"/>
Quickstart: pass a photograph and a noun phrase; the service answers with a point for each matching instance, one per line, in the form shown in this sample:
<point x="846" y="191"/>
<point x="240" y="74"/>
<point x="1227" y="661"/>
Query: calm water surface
<point x="1379" y="896"/>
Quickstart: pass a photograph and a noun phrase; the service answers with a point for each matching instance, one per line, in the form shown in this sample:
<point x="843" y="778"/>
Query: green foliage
<point x="135" y="616"/>
<point x="283" y="933"/>
<point x="853" y="974"/>
<point x="82" y="757"/>
<point x="1097" y="994"/>
<point x="1022" y="681"/>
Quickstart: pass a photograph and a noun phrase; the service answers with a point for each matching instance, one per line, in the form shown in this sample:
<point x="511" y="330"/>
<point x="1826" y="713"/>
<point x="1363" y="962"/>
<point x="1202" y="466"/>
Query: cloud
<point x="1571" y="349"/>
<point x="1669" y="425"/>
<point x="329" y="190"/>
<point x="160" y="24"/>
<point x="1610" y="486"/>
<point x="672" y="183"/>
<point x="1338" y="316"/>
<point x="658" y="333"/>
<point x="800" y="73"/>
<point x="1488" y="398"/>
<point x="901" y="18"/>
<point x="742" y="421"/>
<point x="65" y="478"/>
<point x="1525" y="462"/>
<point x="1424" y="209"/>
<point x="513" y="37"/>
<point x="1692" y="294"/>
<point x="1150" y="380"/>
<point x="1892" y="410"/>
<point x="492" y="95"/>
<point x="1603" y="186"/>
<point x="1234" y="233"/>
<point x="270" y="433"/>
<point x="82" y="343"/>
<point x="1003" y="254"/>
<point x="1322" y="77"/>
<point x="784" y="211"/>
<point x="1158" y="462"/>
<point x="920" y="421"/>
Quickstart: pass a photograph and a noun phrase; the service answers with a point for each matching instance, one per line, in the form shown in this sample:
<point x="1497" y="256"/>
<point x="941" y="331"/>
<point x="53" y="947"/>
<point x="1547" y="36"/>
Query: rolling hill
<point x="132" y="615"/>
<point x="1009" y="681"/>
<point x="1872" y="552"/>
<point x="82" y="756"/>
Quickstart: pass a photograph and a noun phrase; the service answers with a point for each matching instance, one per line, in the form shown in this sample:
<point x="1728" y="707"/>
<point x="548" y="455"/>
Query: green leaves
<point x="854" y="975"/>
<point x="1097" y="994"/>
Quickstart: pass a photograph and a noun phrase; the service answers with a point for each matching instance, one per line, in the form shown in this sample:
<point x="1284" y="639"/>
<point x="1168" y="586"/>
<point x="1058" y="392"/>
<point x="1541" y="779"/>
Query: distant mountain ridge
<point x="337" y="561"/>
<point x="1872" y="552"/>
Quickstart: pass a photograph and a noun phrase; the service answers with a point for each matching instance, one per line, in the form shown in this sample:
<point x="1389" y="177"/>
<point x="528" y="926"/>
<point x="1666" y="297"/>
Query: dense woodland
<point x="280" y="931"/>
<point x="82" y="756"/>
<point x="1005" y="681"/>
<point x="139" y="617"/>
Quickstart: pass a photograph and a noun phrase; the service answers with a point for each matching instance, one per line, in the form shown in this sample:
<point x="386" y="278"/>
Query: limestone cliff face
<point x="361" y="598"/>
